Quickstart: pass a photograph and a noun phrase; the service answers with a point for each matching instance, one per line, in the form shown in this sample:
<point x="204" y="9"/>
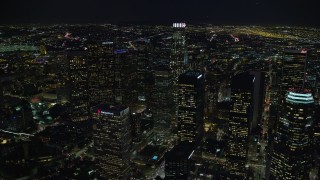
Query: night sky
<point x="244" y="12"/>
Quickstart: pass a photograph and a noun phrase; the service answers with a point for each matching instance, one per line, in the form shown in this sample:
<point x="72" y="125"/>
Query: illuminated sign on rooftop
<point x="107" y="113"/>
<point x="179" y="25"/>
<point x="106" y="43"/>
<point x="120" y="51"/>
<point x="110" y="110"/>
<point x="104" y="112"/>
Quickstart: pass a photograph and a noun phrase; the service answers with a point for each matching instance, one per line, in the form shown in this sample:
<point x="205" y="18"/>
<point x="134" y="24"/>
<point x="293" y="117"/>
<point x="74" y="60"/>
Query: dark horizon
<point x="252" y="12"/>
<point x="146" y="23"/>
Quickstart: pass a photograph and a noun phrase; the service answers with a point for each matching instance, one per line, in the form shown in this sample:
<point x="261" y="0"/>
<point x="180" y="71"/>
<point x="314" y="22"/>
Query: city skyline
<point x="160" y="90"/>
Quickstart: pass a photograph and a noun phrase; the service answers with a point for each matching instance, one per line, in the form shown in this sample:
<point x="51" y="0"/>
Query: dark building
<point x="112" y="139"/>
<point x="239" y="123"/>
<point x="190" y="105"/>
<point x="215" y="77"/>
<point x="122" y="76"/>
<point x="163" y="107"/>
<point x="144" y="80"/>
<point x="136" y="126"/>
<point x="178" y="161"/>
<point x="258" y="98"/>
<point x="292" y="150"/>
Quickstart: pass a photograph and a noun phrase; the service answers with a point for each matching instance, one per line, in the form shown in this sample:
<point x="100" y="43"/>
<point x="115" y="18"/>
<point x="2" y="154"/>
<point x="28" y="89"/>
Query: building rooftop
<point x="295" y="51"/>
<point x="111" y="109"/>
<point x="190" y="77"/>
<point x="242" y="81"/>
<point x="184" y="150"/>
<point x="299" y="97"/>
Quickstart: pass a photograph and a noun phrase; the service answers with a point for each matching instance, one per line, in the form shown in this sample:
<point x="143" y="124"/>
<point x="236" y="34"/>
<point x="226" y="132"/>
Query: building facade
<point x="112" y="140"/>
<point x="78" y="84"/>
<point x="239" y="123"/>
<point x="291" y="157"/>
<point x="293" y="69"/>
<point x="190" y="105"/>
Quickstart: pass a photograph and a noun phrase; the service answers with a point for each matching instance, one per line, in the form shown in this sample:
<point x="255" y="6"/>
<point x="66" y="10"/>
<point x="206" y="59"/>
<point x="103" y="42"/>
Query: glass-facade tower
<point x="292" y="149"/>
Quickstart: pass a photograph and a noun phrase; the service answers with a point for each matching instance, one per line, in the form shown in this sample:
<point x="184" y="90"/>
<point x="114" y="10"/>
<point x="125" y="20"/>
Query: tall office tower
<point x="144" y="79"/>
<point x="214" y="81"/>
<point x="122" y="74"/>
<point x="293" y="70"/>
<point x="163" y="107"/>
<point x="239" y="123"/>
<point x="78" y="81"/>
<point x="292" y="150"/>
<point x="190" y="106"/>
<point x="136" y="126"/>
<point x="112" y="139"/>
<point x="257" y="103"/>
<point x="178" y="161"/>
<point x="99" y="57"/>
<point x="179" y="56"/>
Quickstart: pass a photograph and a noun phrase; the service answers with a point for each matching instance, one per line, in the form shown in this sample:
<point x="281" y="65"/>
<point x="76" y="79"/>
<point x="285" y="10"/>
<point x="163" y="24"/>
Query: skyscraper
<point x="190" y="105"/>
<point x="100" y="56"/>
<point x="239" y="119"/>
<point x="112" y="139"/>
<point x="293" y="69"/>
<point x="292" y="150"/>
<point x="122" y="76"/>
<point x="178" y="161"/>
<point x="78" y="79"/>
<point x="163" y="106"/>
<point x="257" y="103"/>
<point x="179" y="56"/>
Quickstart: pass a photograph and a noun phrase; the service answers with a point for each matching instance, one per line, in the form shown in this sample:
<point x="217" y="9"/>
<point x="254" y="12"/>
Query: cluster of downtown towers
<point x="188" y="96"/>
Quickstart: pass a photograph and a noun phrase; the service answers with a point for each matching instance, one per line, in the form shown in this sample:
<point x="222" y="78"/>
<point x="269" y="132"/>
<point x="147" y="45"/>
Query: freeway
<point x="15" y="133"/>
